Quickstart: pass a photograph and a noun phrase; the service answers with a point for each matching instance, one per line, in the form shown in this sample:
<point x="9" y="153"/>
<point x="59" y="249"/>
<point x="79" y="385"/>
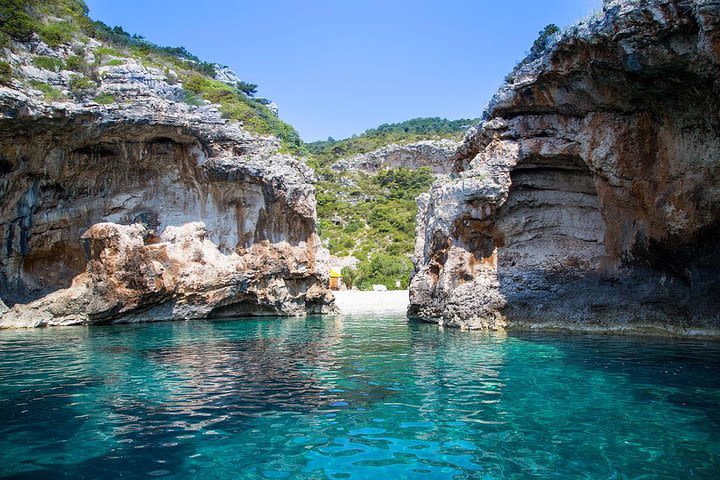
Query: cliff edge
<point x="125" y="197"/>
<point x="588" y="198"/>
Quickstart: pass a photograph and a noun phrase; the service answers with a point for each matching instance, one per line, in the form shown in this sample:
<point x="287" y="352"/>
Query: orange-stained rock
<point x="592" y="183"/>
<point x="183" y="275"/>
<point x="146" y="208"/>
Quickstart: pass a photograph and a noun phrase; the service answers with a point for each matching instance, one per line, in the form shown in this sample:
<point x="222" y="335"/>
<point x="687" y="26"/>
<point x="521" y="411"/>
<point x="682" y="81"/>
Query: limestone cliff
<point x="588" y="198"/>
<point x="434" y="154"/>
<point x="144" y="207"/>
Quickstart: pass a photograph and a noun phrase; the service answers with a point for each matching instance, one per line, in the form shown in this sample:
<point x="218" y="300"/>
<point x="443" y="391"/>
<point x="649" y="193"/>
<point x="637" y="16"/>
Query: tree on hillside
<point x="249" y="89"/>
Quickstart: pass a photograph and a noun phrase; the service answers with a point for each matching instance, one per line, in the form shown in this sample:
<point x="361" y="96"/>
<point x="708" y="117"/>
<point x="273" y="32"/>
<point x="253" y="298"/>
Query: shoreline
<point x="573" y="328"/>
<point x="358" y="301"/>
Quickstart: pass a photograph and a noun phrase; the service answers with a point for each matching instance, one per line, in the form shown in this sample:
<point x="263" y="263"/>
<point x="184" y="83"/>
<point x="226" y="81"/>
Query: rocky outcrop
<point x="132" y="276"/>
<point x="147" y="208"/>
<point x="588" y="197"/>
<point x="224" y="74"/>
<point x="435" y="154"/>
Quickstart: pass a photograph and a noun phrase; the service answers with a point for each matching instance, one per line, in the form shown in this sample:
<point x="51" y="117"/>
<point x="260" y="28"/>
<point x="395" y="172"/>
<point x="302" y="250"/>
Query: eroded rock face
<point x="588" y="198"/>
<point x="149" y="208"/>
<point x="132" y="276"/>
<point x="435" y="154"/>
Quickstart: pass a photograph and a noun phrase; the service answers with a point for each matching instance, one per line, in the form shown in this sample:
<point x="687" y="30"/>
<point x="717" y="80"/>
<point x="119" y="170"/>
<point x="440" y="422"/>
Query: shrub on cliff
<point x="235" y="105"/>
<point x="105" y="99"/>
<point x="56" y="33"/>
<point x="15" y="22"/>
<point x="48" y="63"/>
<point x="543" y="36"/>
<point x="76" y="63"/>
<point x="5" y="73"/>
<point x="81" y="86"/>
<point x="50" y="93"/>
<point x="247" y="88"/>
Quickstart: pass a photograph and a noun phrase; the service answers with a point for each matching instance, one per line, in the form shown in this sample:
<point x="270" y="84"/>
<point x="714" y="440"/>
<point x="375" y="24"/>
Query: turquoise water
<point x="359" y="397"/>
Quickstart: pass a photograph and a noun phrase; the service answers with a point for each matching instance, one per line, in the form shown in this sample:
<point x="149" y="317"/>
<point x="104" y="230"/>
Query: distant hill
<point x="325" y="152"/>
<point x="372" y="216"/>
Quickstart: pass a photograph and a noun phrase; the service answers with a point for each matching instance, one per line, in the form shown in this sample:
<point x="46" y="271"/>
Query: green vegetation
<point x="326" y="152"/>
<point x="236" y="105"/>
<point x="5" y="73"/>
<point x="384" y="269"/>
<point x="375" y="213"/>
<point x="249" y="89"/>
<point x="372" y="217"/>
<point x="76" y="63"/>
<point x="80" y="85"/>
<point x="57" y="33"/>
<point x="19" y="19"/>
<point x="48" y="63"/>
<point x="105" y="99"/>
<point x="51" y="93"/>
<point x="15" y="22"/>
<point x="107" y="51"/>
<point x="349" y="275"/>
<point x="543" y="36"/>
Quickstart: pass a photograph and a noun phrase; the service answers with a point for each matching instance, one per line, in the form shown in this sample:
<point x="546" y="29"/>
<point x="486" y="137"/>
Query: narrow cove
<point x="358" y="396"/>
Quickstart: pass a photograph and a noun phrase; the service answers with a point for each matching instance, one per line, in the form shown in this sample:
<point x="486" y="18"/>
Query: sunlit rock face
<point x="437" y="155"/>
<point x="588" y="198"/>
<point x="149" y="210"/>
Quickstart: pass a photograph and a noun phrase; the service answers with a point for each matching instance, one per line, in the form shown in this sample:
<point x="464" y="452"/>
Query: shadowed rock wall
<point x="588" y="198"/>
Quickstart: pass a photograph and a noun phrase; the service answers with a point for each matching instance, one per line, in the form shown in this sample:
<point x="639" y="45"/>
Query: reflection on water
<point x="353" y="397"/>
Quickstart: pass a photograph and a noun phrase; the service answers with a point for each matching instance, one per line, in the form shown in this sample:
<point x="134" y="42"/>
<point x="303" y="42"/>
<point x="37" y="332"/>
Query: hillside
<point x="55" y="53"/>
<point x="139" y="183"/>
<point x="325" y="152"/>
<point x="371" y="216"/>
<point x="70" y="54"/>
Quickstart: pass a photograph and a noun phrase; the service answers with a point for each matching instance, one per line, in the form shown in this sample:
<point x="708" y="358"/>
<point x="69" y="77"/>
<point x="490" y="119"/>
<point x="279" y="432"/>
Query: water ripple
<point x="353" y="397"/>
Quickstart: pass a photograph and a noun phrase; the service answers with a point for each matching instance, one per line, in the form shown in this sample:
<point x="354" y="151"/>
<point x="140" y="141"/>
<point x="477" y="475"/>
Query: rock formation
<point x="588" y="198"/>
<point x="147" y="208"/>
<point x="436" y="154"/>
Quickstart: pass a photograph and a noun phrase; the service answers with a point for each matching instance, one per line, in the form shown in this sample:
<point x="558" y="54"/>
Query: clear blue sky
<point x="339" y="67"/>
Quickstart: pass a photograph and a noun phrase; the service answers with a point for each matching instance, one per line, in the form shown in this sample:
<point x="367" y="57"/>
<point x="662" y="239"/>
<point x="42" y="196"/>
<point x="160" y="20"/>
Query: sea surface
<point x="353" y="397"/>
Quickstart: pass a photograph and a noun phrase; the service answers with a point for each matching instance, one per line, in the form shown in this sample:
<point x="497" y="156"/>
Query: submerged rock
<point x="588" y="197"/>
<point x="435" y="154"/>
<point x="148" y="208"/>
